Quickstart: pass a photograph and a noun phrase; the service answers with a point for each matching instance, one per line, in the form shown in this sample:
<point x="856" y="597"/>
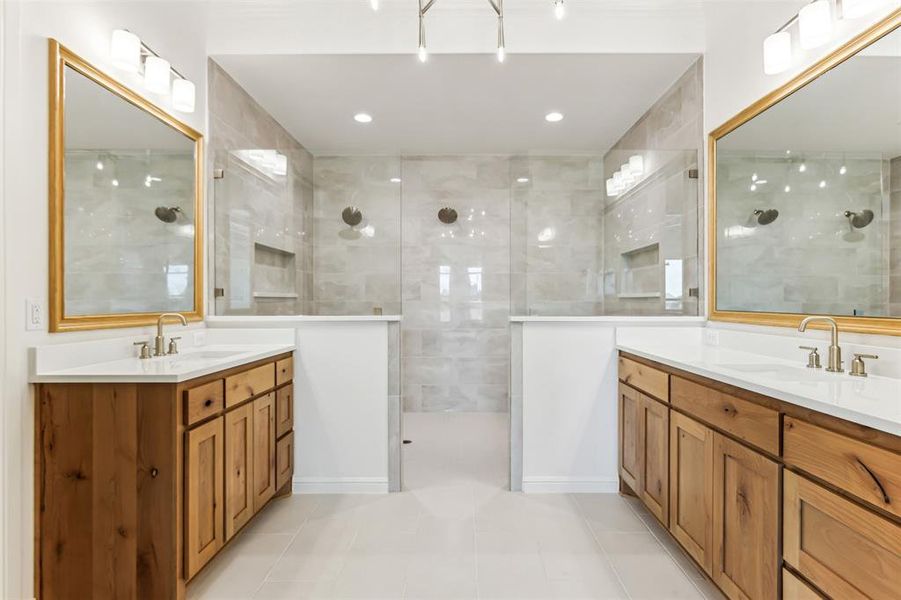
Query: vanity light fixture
<point x="363" y="118"/>
<point x="559" y="9"/>
<point x="129" y="53"/>
<point x="497" y="5"/>
<point x="815" y="24"/>
<point x="815" y="28"/>
<point x="125" y="50"/>
<point x="628" y="175"/>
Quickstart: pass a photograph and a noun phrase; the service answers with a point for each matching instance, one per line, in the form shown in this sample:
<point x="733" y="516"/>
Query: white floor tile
<point x="454" y="533"/>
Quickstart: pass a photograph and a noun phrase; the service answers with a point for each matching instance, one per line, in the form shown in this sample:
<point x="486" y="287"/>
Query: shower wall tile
<point x="456" y="284"/>
<point x="357" y="269"/>
<point x="262" y="224"/>
<point x="894" y="237"/>
<point x="661" y="213"/>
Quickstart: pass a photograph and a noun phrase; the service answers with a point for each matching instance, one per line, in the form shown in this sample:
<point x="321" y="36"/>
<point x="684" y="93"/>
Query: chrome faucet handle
<point x="858" y="367"/>
<point x="145" y="349"/>
<point x="813" y="359"/>
<point x="173" y="347"/>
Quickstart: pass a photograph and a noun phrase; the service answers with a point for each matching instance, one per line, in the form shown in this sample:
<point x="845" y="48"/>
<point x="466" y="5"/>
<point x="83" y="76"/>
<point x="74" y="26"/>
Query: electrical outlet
<point x="711" y="336"/>
<point x="34" y="314"/>
<point x="199" y="338"/>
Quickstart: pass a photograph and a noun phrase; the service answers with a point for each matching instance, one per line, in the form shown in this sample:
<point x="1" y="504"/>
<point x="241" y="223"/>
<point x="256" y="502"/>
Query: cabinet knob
<point x="209" y="402"/>
<point x="154" y="472"/>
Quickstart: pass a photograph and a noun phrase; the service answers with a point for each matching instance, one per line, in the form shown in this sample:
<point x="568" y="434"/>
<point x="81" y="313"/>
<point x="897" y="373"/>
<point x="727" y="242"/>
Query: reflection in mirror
<point x="129" y="206"/>
<point x="808" y="196"/>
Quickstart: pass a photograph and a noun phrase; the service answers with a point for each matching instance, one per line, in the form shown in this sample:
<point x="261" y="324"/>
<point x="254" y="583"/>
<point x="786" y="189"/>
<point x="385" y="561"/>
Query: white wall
<point x="84" y="28"/>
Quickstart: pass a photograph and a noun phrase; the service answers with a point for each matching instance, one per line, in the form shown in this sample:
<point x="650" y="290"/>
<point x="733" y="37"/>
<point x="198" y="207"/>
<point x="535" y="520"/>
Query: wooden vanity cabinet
<point x="745" y="521"/>
<point x="654" y="481"/>
<point x="691" y="487"/>
<point x="139" y="485"/>
<point x="631" y="457"/>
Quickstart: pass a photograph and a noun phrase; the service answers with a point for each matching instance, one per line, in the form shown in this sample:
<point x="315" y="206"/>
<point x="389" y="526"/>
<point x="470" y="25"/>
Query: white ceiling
<point x="456" y="103"/>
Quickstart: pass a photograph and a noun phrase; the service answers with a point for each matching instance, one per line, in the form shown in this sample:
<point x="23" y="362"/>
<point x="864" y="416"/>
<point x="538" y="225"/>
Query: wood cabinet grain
<point x="745" y="521"/>
<point x="795" y="589"/>
<point x="247" y="384"/>
<point x="204" y="494"/>
<point x="204" y="401"/>
<point x="691" y="487"/>
<point x="649" y="380"/>
<point x="238" y="468"/>
<point x="284" y="410"/>
<point x="284" y="370"/>
<point x="263" y="450"/>
<point x="631" y="461"/>
<point x="842" y="548"/>
<point x="654" y="483"/>
<point x="868" y="472"/>
<point x="284" y="461"/>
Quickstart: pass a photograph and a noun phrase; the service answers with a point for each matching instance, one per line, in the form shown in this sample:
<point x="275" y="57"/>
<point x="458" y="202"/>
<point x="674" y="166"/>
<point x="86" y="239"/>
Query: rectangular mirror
<point x="125" y="204"/>
<point x="805" y="210"/>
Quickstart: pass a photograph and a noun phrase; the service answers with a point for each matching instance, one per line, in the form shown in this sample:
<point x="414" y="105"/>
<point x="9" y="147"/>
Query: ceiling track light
<point x="129" y="53"/>
<point x="497" y="5"/>
<point x="559" y="9"/>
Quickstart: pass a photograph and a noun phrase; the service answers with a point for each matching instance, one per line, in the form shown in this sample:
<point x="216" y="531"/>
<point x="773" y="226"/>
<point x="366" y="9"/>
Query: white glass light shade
<point x="636" y="164"/>
<point x="156" y="75"/>
<point x="281" y="165"/>
<point x="852" y="9"/>
<point x="125" y="50"/>
<point x="777" y="52"/>
<point x="374" y="4"/>
<point x="183" y="95"/>
<point x="815" y="24"/>
<point x="559" y="9"/>
<point x="611" y="187"/>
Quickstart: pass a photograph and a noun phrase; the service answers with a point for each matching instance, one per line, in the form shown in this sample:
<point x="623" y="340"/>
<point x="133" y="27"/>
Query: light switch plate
<point x="711" y="337"/>
<point x="34" y="314"/>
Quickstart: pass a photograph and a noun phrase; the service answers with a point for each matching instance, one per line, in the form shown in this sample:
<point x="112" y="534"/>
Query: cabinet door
<point x="284" y="460"/>
<point x="284" y="410"/>
<point x="238" y="468"/>
<point x="204" y="490"/>
<point x="630" y="442"/>
<point x="263" y="450"/>
<point x="745" y="521"/>
<point x="842" y="548"/>
<point x="655" y="477"/>
<point x="691" y="487"/>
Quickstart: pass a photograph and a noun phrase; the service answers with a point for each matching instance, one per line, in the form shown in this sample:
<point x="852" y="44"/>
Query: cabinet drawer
<point x="844" y="549"/>
<point x="647" y="379"/>
<point x="284" y="410"/>
<point x="204" y="401"/>
<point x="755" y="424"/>
<point x="284" y="370"/>
<point x="252" y="382"/>
<point x="284" y="461"/>
<point x="868" y="472"/>
<point x="795" y="589"/>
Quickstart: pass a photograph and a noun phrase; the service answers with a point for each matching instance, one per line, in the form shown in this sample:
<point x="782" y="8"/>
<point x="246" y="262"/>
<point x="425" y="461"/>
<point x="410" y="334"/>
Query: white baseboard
<point x="339" y="485"/>
<point x="570" y="485"/>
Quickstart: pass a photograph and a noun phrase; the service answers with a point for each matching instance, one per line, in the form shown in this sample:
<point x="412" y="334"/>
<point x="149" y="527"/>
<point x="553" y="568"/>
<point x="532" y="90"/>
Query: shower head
<point x="447" y="215"/>
<point x="167" y="214"/>
<point x="765" y="217"/>
<point x="859" y="220"/>
<point x="352" y="216"/>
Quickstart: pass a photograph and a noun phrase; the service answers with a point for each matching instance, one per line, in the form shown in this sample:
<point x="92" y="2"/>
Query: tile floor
<point x="454" y="533"/>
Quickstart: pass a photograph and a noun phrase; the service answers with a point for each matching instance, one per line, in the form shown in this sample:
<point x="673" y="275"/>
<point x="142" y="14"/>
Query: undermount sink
<point x="776" y="371"/>
<point x="208" y="354"/>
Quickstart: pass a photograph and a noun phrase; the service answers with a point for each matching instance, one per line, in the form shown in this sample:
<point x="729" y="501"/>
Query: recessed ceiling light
<point x="553" y="117"/>
<point x="363" y="118"/>
<point x="395" y="180"/>
<point x="522" y="180"/>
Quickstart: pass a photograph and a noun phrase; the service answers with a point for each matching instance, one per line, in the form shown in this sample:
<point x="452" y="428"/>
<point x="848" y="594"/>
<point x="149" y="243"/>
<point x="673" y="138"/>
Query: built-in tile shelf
<point x="638" y="295"/>
<point x="281" y="295"/>
<point x="271" y="248"/>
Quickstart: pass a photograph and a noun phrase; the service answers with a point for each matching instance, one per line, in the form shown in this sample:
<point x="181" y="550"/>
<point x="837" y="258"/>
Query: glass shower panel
<point x="651" y="240"/>
<point x="260" y="220"/>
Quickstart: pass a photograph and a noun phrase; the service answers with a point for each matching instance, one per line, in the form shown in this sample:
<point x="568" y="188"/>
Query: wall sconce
<point x="627" y="176"/>
<point x="129" y="53"/>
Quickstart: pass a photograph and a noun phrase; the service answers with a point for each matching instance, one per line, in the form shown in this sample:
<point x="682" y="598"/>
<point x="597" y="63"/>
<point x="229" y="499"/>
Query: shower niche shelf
<point x="274" y="275"/>
<point x="641" y="273"/>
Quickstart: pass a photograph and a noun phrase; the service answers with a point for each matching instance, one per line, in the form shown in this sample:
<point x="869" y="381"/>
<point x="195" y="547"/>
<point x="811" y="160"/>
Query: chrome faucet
<point x="159" y="340"/>
<point x="835" y="352"/>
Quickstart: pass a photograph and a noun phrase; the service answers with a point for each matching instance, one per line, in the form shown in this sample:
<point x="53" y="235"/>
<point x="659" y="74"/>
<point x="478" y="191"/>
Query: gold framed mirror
<point x="804" y="211"/>
<point x="126" y="203"/>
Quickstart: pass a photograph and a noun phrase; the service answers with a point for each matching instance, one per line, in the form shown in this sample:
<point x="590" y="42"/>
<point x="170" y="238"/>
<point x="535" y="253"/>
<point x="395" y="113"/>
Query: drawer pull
<point x="209" y="402"/>
<point x="885" y="496"/>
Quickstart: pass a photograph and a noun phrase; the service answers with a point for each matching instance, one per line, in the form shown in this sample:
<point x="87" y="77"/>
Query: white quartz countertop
<point x="874" y="401"/>
<point x="115" y="360"/>
<point x="614" y="320"/>
<point x="276" y="320"/>
<point x="189" y="364"/>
